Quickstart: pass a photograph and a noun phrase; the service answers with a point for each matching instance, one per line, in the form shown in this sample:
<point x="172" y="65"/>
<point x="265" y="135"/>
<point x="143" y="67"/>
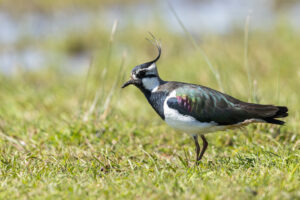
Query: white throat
<point x="151" y="84"/>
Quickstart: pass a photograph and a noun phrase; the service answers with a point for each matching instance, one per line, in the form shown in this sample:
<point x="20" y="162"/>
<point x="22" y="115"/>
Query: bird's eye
<point x="141" y="74"/>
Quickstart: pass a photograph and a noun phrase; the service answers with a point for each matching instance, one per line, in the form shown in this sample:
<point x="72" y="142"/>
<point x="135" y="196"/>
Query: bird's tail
<point x="268" y="113"/>
<point x="281" y="112"/>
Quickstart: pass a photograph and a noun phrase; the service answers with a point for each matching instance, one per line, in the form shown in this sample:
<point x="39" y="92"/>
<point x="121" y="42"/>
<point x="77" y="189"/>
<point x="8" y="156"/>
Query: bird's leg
<point x="197" y="147"/>
<point x="205" y="144"/>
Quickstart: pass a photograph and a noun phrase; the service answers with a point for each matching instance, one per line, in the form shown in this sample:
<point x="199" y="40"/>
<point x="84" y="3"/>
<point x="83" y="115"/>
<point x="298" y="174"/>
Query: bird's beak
<point x="131" y="81"/>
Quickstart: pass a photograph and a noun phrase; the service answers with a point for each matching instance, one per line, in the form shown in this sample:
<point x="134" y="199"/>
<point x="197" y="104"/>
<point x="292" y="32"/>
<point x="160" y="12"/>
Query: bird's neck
<point x="154" y="96"/>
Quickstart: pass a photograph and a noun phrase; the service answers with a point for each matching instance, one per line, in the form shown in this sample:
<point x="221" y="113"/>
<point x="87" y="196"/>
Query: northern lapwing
<point x="196" y="109"/>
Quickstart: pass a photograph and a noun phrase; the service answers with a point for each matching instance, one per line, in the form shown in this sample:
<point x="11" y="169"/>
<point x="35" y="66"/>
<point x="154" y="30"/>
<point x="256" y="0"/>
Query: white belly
<point x="190" y="127"/>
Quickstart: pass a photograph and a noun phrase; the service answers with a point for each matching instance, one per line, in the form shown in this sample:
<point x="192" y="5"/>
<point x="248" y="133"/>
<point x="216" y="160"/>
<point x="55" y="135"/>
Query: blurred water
<point x="223" y="16"/>
<point x="217" y="17"/>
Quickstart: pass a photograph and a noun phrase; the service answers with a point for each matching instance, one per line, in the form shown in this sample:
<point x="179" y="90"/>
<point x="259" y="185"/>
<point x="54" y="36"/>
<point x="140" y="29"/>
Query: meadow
<point x="78" y="135"/>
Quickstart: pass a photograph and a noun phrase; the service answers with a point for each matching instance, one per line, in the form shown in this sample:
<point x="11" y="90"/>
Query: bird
<point x="196" y="109"/>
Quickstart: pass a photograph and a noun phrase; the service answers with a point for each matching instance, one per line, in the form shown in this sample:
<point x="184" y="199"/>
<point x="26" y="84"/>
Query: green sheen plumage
<point x="207" y="105"/>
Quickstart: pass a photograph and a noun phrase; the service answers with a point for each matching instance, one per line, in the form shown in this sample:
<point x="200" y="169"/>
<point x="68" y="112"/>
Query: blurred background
<point x="37" y="34"/>
<point x="245" y="48"/>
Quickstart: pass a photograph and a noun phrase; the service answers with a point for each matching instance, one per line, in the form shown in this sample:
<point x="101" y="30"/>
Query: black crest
<point x="157" y="44"/>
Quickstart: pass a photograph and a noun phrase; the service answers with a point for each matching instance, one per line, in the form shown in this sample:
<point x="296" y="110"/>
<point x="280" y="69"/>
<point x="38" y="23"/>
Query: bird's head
<point x="145" y="76"/>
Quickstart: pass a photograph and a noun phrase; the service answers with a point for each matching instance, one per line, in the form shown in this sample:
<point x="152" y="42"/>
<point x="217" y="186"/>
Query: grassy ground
<point x="79" y="136"/>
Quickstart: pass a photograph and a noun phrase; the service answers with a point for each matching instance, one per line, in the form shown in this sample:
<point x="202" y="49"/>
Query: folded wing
<point x="207" y="105"/>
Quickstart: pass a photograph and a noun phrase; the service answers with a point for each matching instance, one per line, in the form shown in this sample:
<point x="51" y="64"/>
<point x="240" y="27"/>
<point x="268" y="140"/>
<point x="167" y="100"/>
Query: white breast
<point x="186" y="123"/>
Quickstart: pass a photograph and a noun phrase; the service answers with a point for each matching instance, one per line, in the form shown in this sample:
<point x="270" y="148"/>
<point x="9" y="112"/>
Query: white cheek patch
<point x="150" y="83"/>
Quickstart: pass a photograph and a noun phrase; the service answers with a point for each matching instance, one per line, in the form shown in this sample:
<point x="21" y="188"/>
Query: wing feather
<point x="206" y="105"/>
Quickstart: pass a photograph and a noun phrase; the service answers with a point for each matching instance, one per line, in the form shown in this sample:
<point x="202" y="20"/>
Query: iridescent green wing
<point x="207" y="105"/>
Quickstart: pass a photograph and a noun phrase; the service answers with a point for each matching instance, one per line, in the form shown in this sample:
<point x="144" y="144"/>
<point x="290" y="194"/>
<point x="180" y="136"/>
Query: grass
<point x="49" y="150"/>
